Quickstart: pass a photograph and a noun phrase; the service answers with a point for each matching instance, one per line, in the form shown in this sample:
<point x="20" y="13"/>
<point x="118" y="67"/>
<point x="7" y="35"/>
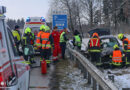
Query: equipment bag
<point x="28" y="50"/>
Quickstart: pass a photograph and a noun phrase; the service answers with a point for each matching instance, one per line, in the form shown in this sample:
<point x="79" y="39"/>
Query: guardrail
<point x="93" y="75"/>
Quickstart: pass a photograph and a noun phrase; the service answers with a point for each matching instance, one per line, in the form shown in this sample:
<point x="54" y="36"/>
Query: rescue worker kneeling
<point x="94" y="49"/>
<point x="116" y="56"/>
<point x="28" y="47"/>
<point x="47" y="45"/>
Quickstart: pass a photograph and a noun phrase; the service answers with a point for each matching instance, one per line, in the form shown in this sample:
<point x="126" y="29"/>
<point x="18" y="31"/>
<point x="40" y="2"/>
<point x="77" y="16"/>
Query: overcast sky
<point x="25" y="8"/>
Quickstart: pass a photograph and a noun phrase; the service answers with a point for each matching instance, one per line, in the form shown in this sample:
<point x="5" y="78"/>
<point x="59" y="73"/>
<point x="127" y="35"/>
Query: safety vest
<point x="94" y="42"/>
<point x="128" y="46"/>
<point x="38" y="40"/>
<point x="77" y="40"/>
<point x="16" y="34"/>
<point x="117" y="57"/>
<point x="62" y="37"/>
<point x="45" y="40"/>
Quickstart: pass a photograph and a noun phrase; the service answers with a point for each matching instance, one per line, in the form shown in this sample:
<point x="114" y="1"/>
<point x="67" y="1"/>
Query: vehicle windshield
<point x="109" y="42"/>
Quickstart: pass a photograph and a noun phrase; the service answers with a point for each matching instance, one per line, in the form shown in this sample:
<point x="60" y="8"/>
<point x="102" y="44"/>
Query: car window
<point x="109" y="42"/>
<point x="15" y="52"/>
<point x="4" y="57"/>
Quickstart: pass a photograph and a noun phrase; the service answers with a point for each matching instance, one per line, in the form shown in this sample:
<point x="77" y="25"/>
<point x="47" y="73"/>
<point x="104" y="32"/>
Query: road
<point x="39" y="81"/>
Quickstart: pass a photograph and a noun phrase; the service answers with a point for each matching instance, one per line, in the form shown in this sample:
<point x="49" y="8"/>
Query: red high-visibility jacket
<point x="94" y="42"/>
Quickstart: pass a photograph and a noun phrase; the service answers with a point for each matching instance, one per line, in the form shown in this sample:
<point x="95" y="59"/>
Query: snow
<point x="76" y="80"/>
<point x="123" y="81"/>
<point x="121" y="77"/>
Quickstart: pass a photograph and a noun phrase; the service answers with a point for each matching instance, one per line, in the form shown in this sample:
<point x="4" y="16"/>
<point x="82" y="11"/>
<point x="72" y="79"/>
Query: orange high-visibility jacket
<point x="126" y="39"/>
<point x="38" y="41"/>
<point x="94" y="42"/>
<point x="117" y="56"/>
<point x="45" y="40"/>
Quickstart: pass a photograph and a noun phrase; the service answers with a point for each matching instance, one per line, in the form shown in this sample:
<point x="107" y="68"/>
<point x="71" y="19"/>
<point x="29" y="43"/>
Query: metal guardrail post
<point x="111" y="77"/>
<point x="100" y="88"/>
<point x="94" y="84"/>
<point x="89" y="78"/>
<point x="85" y="73"/>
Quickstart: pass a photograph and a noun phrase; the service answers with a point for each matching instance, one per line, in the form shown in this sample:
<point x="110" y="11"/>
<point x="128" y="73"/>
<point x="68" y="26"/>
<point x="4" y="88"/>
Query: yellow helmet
<point x="42" y="27"/>
<point x="120" y="36"/>
<point x="27" y="30"/>
<point x="115" y="46"/>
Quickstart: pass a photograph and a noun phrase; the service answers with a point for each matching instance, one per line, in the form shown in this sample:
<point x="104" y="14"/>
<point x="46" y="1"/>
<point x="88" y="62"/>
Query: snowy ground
<point x="122" y="76"/>
<point x="76" y="79"/>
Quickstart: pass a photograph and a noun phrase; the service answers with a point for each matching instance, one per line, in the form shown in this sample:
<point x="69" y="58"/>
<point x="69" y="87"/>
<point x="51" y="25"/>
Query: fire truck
<point x="34" y="23"/>
<point x="14" y="75"/>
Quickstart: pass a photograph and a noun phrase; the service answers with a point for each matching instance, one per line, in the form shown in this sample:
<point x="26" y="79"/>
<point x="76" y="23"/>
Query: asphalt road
<point x="39" y="81"/>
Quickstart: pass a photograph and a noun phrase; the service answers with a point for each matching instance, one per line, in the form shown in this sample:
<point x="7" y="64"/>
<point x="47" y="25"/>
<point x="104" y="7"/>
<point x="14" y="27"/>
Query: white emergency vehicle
<point x="34" y="23"/>
<point x="14" y="75"/>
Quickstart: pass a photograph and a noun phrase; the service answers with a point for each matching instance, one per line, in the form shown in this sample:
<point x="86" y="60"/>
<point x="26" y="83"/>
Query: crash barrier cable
<point x="94" y="75"/>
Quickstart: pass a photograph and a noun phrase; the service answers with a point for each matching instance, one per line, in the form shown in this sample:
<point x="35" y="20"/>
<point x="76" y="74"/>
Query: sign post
<point x="60" y="21"/>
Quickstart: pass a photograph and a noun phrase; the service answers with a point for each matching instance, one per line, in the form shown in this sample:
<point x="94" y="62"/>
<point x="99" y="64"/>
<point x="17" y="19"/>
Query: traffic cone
<point x="43" y="67"/>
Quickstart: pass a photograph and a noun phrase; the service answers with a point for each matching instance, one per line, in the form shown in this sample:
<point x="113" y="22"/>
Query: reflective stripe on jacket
<point x="117" y="56"/>
<point x="38" y="40"/>
<point x="16" y="35"/>
<point x="94" y="42"/>
<point x="62" y="37"/>
<point x="77" y="40"/>
<point x="45" y="40"/>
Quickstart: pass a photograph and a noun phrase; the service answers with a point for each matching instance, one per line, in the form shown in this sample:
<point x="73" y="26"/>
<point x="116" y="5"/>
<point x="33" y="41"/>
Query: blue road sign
<point x="60" y="21"/>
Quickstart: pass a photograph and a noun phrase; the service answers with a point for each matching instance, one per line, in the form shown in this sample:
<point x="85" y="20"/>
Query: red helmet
<point x="95" y="34"/>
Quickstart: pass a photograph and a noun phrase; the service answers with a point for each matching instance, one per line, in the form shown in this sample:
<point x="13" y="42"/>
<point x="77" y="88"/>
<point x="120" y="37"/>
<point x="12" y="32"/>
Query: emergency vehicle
<point x="34" y="23"/>
<point x="14" y="75"/>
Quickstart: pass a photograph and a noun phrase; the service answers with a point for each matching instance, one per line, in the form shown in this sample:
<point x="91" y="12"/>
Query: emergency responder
<point x="116" y="56"/>
<point x="94" y="49"/>
<point x="27" y="46"/>
<point x="77" y="40"/>
<point x="126" y="47"/>
<point x="57" y="50"/>
<point x="17" y="37"/>
<point x="38" y="40"/>
<point x="33" y="38"/>
<point x="63" y="40"/>
<point x="47" y="45"/>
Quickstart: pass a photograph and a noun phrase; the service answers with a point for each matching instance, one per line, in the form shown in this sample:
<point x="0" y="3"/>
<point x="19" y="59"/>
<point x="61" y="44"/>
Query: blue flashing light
<point x="43" y="19"/>
<point x="28" y="19"/>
